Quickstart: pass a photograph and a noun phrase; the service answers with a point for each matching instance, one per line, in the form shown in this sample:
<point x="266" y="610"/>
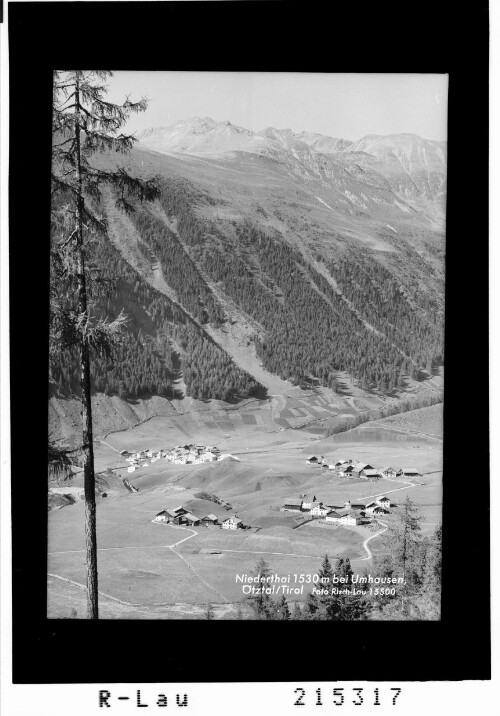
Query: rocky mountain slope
<point x="273" y="262"/>
<point x="366" y="172"/>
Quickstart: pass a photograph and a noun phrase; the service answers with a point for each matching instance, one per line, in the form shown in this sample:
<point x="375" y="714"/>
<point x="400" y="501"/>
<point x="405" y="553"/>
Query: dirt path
<point x="368" y="539"/>
<point x="189" y="566"/>
<point x="388" y="492"/>
<point x="83" y="586"/>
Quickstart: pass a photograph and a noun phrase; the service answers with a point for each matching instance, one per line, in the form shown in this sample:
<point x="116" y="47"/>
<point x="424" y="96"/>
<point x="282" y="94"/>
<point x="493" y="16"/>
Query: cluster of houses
<point x="346" y="514"/>
<point x="350" y="468"/>
<point x="180" y="516"/>
<point x="180" y="455"/>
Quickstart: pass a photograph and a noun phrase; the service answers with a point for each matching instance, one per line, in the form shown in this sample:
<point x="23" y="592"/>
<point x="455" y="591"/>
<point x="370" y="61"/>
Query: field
<point x="157" y="571"/>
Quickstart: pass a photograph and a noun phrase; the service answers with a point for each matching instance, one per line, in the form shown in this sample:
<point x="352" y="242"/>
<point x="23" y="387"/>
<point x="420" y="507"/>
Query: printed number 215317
<point x="341" y="696"/>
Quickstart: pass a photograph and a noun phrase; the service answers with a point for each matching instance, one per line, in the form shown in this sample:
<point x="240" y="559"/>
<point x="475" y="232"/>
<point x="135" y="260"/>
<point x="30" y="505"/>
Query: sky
<point x="347" y="106"/>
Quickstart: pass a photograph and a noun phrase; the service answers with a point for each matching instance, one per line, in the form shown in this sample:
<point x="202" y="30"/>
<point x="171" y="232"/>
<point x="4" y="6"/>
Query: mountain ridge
<point x="410" y="167"/>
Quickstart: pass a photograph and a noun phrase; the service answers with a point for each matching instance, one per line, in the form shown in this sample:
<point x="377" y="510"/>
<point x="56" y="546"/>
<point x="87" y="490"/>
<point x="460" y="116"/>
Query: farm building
<point x="388" y="472"/>
<point x="232" y="523"/>
<point x="347" y="470"/>
<point x="313" y="460"/>
<point x="336" y="508"/>
<point x="209" y="520"/>
<point x="292" y="507"/>
<point x="189" y="519"/>
<point x="410" y="472"/>
<point x="370" y="474"/>
<point x="360" y="466"/>
<point x="383" y="502"/>
<point x="339" y="463"/>
<point x="358" y="507"/>
<point x="176" y="511"/>
<point x="132" y="468"/>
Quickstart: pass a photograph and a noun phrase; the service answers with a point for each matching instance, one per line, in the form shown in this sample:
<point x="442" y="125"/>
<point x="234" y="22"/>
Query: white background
<point x="457" y="698"/>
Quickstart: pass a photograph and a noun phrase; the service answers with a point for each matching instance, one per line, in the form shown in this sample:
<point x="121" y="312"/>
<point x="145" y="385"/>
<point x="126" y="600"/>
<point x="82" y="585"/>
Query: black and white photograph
<point x="248" y="391"/>
<point x="246" y="346"/>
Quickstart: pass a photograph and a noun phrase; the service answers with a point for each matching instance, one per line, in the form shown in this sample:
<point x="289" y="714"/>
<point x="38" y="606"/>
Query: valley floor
<point x="151" y="570"/>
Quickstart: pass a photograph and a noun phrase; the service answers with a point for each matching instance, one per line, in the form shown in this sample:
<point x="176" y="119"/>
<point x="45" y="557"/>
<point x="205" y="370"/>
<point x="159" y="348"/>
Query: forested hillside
<point x="310" y="329"/>
<point x="144" y="363"/>
<point x="317" y="315"/>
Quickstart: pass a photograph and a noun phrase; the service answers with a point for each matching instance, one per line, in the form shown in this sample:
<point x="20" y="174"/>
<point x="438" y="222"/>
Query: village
<point x="180" y="516"/>
<point x="350" y="468"/>
<point x="346" y="514"/>
<point x="206" y="510"/>
<point x="179" y="455"/>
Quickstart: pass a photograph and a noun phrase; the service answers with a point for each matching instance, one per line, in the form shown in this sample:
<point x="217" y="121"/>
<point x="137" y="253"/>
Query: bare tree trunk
<point x="87" y="447"/>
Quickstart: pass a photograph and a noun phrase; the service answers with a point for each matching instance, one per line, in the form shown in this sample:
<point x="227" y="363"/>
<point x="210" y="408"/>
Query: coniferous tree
<point x="405" y="540"/>
<point x="84" y="124"/>
<point x="282" y="609"/>
<point x="261" y="602"/>
<point x="297" y="611"/>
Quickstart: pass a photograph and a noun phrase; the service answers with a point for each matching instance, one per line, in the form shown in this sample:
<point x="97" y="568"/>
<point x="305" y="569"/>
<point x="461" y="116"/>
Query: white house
<point x="374" y="509"/>
<point x="319" y="509"/>
<point x="231" y="523"/>
<point x="388" y="472"/>
<point x="383" y="502"/>
<point x="333" y="516"/>
<point x="132" y="468"/>
<point x="307" y="503"/>
<point x="350" y="520"/>
<point x="379" y="510"/>
<point x="162" y="516"/>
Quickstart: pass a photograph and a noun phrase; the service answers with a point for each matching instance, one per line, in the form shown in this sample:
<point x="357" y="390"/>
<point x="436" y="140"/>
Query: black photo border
<point x="254" y="36"/>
